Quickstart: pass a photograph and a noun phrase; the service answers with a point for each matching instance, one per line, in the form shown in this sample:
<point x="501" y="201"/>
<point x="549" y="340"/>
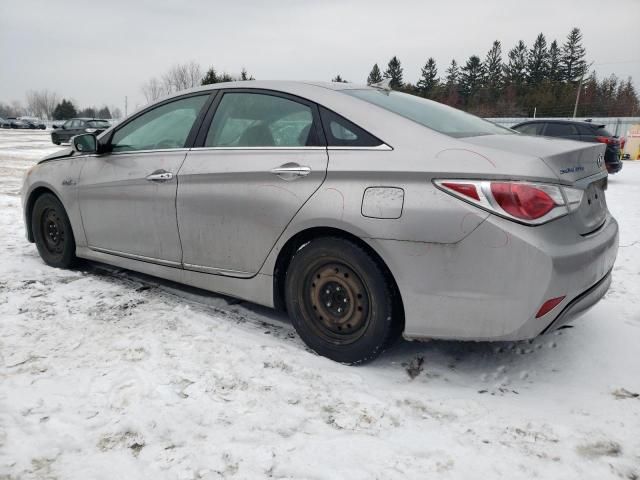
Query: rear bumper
<point x="580" y="304"/>
<point x="490" y="285"/>
<point x="615" y="166"/>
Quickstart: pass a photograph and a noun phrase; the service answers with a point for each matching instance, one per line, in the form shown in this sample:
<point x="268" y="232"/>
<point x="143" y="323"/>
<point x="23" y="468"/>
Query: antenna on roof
<point x="383" y="85"/>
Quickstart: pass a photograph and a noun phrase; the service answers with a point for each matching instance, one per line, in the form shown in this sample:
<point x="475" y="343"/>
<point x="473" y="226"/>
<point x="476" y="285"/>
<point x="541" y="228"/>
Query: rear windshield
<point x="603" y="132"/>
<point x="98" y="124"/>
<point x="433" y="115"/>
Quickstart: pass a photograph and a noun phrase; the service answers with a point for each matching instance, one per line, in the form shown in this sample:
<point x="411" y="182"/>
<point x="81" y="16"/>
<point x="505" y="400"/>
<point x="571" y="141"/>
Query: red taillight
<point x="521" y="200"/>
<point x="548" y="306"/>
<point x="466" y="189"/>
<point x="608" y="140"/>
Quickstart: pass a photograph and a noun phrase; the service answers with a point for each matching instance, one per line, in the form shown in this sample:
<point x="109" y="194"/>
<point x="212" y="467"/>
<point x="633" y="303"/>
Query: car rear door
<point x="260" y="155"/>
<point x="128" y="196"/>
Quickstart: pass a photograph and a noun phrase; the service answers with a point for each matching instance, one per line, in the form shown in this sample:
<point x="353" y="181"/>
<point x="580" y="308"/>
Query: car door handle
<point x="291" y="171"/>
<point x="160" y="176"/>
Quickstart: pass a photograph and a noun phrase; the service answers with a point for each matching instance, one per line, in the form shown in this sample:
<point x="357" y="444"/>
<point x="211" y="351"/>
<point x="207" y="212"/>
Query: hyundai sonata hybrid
<point x="365" y="213"/>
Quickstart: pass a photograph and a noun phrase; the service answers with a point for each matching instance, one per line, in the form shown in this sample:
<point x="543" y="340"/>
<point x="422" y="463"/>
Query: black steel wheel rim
<point x="53" y="231"/>
<point x="336" y="301"/>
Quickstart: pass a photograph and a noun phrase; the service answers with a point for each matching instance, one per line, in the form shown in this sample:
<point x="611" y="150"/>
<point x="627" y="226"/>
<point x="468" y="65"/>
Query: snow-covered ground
<point x="108" y="374"/>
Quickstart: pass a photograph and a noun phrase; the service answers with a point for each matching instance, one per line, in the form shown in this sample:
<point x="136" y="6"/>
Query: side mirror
<point x="85" y="143"/>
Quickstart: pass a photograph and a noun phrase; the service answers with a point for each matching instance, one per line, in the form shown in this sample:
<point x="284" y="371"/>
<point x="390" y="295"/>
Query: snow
<point x="105" y="373"/>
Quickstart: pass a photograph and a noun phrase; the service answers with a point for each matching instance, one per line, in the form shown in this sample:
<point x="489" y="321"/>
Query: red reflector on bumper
<point x="548" y="306"/>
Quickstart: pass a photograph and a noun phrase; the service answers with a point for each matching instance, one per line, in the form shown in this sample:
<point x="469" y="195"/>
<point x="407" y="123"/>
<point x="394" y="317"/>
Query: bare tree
<point x="116" y="113"/>
<point x="41" y="103"/>
<point x="153" y="90"/>
<point x="182" y="76"/>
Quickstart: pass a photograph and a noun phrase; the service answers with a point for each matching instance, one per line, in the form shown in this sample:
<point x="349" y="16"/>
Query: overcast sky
<point x="99" y="52"/>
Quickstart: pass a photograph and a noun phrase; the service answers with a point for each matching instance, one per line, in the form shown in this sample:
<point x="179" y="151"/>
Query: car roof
<point x="560" y="120"/>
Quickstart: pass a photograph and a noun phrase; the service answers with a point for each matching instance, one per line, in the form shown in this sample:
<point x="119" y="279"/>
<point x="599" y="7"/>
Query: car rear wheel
<point x="52" y="232"/>
<point x="340" y="301"/>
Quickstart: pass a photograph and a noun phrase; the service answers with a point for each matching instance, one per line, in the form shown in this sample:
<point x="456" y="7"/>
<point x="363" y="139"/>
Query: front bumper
<point x="490" y="285"/>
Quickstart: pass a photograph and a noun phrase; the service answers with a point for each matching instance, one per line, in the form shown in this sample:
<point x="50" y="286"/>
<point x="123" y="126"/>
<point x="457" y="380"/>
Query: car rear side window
<point x="529" y="128"/>
<point x="560" y="130"/>
<point x="162" y="128"/>
<point x="341" y="132"/>
<point x="245" y="119"/>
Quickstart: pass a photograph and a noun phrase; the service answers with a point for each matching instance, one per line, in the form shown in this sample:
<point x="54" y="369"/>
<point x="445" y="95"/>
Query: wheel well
<point x="28" y="209"/>
<point x="299" y="239"/>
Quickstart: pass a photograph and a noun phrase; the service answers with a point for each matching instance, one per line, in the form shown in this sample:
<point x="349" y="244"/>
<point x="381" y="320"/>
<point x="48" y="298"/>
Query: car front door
<point x="127" y="197"/>
<point x="260" y="157"/>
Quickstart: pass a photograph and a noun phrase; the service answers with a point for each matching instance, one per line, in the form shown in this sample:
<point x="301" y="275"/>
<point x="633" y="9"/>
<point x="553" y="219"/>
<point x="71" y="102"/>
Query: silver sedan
<point x="365" y="213"/>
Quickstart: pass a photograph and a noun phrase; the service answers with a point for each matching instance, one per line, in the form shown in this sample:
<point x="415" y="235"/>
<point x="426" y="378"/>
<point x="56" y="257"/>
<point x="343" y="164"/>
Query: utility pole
<point x="535" y="109"/>
<point x="575" y="109"/>
<point x="125" y="107"/>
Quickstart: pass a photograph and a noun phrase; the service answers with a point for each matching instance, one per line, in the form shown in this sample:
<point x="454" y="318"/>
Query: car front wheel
<point x="52" y="232"/>
<point x="340" y="301"/>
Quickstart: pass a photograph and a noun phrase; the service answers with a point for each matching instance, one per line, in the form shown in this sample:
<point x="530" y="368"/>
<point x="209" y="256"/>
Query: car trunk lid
<point x="577" y="164"/>
<point x="569" y="160"/>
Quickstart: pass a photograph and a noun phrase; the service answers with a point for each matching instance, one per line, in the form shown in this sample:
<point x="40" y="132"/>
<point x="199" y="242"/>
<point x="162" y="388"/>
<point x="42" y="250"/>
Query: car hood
<point x="65" y="152"/>
<point x="570" y="160"/>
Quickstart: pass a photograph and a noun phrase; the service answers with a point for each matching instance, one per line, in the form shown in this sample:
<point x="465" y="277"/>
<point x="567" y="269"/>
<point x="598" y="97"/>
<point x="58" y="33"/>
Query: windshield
<point x="434" y="115"/>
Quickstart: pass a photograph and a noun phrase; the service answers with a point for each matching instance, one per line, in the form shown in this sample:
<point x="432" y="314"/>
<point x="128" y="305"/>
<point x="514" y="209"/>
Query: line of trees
<point x="47" y="105"/>
<point x="186" y="75"/>
<point x="545" y="77"/>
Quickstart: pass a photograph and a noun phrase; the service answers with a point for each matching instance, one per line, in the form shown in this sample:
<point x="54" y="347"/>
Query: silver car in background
<point x="365" y="213"/>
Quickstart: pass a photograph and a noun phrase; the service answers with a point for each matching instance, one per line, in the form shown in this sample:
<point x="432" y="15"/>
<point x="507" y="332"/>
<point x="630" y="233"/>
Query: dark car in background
<point x="16" y="123"/>
<point x="34" y="123"/>
<point x="576" y="130"/>
<point x="76" y="126"/>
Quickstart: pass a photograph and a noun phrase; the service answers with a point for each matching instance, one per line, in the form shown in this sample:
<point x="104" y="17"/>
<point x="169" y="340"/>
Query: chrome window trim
<point x="167" y="263"/>
<point x="217" y="271"/>
<point x="134" y="152"/>
<point x="257" y="148"/>
<point x="381" y="147"/>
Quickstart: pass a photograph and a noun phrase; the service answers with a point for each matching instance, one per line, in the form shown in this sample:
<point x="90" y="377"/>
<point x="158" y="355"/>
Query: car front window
<point x="433" y="115"/>
<point x="162" y="128"/>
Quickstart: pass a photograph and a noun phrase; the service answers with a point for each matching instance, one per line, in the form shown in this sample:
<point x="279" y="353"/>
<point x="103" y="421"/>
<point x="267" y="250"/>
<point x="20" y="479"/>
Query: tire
<point x="340" y="301"/>
<point x="52" y="232"/>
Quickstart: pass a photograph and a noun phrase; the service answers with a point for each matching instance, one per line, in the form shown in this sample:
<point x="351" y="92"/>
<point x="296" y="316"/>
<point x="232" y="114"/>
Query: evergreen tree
<point x="210" y="77"/>
<point x="573" y="64"/>
<point x="104" y="113"/>
<point x="64" y="110"/>
<point x="538" y="62"/>
<point x="493" y="70"/>
<point x="89" y="112"/>
<point x="394" y="73"/>
<point x="516" y="70"/>
<point x="555" y="72"/>
<point x="471" y="77"/>
<point x="338" y="79"/>
<point x="453" y="74"/>
<point x="244" y="75"/>
<point x="375" y="76"/>
<point x="429" y="79"/>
